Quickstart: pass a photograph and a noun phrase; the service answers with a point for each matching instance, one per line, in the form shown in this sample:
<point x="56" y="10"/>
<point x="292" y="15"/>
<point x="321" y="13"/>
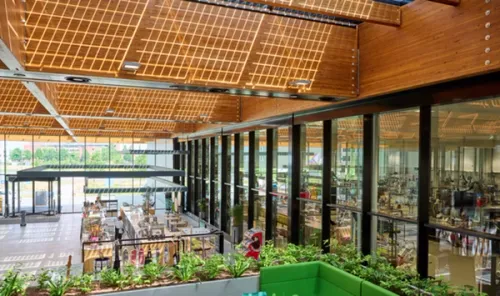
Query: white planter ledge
<point x="225" y="287"/>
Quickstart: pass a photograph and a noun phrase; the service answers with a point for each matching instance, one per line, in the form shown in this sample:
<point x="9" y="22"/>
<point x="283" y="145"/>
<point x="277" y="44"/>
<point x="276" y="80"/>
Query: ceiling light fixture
<point x="110" y="110"/>
<point x="293" y="96"/>
<point x="300" y="82"/>
<point x="204" y="115"/>
<point x="131" y="66"/>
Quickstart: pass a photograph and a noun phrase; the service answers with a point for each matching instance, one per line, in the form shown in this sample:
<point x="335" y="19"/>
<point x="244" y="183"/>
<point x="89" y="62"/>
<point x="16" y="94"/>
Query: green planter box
<point x="315" y="279"/>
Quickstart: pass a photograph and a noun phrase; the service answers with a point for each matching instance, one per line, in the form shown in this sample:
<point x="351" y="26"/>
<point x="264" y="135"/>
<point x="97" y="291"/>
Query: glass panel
<point x="217" y="177"/>
<point x="466" y="166"/>
<point x="465" y="261"/>
<point x="397" y="241"/>
<point x="2" y="174"/>
<point x="281" y="179"/>
<point x="229" y="188"/>
<point x="345" y="227"/>
<point x="311" y="158"/>
<point x="398" y="163"/>
<point x="260" y="186"/>
<point x="19" y="156"/>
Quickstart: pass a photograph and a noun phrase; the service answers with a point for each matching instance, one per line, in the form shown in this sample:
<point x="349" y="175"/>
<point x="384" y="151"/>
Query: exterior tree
<point x="16" y="155"/>
<point x="27" y="155"/>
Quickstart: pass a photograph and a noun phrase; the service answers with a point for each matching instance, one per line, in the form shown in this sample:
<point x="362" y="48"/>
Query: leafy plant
<point x="42" y="278"/>
<point x="213" y="266"/>
<point x="237" y="213"/>
<point x="58" y="285"/>
<point x="237" y="264"/>
<point x="14" y="283"/>
<point x="153" y="271"/>
<point x="187" y="267"/>
<point x="83" y="283"/>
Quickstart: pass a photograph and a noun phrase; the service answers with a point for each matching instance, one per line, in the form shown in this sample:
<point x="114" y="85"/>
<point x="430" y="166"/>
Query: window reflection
<point x="281" y="179"/>
<point x="398" y="163"/>
<point x="466" y="166"/>
<point x="259" y="188"/>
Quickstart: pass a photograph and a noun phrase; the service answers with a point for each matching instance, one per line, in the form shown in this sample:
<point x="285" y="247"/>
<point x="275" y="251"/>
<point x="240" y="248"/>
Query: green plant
<point x="237" y="213"/>
<point x="14" y="283"/>
<point x="187" y="267"/>
<point x="58" y="285"/>
<point x="269" y="255"/>
<point x="83" y="283"/>
<point x="42" y="278"/>
<point x="153" y="271"/>
<point x="237" y="264"/>
<point x="213" y="266"/>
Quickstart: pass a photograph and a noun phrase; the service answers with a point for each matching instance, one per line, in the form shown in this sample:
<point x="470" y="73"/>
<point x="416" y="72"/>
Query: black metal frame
<point x="251" y="178"/>
<point x="224" y="180"/>
<point x="368" y="170"/>
<point x="176" y="158"/>
<point x="295" y="170"/>
<point x="197" y="180"/>
<point x="326" y="184"/>
<point x="424" y="189"/>
<point x="269" y="184"/>
<point x="189" y="176"/>
<point x="203" y="176"/>
<point x="236" y="169"/>
<point x="212" y="181"/>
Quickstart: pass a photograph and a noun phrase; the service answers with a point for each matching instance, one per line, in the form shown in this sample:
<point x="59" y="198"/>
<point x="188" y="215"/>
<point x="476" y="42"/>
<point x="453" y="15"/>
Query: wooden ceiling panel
<point x="196" y="42"/>
<point x="186" y="42"/>
<point x="88" y="100"/>
<point x="28" y="121"/>
<point x="14" y="97"/>
<point x="126" y="134"/>
<point x="88" y="35"/>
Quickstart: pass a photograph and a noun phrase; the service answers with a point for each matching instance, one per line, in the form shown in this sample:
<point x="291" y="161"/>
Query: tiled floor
<point x="40" y="245"/>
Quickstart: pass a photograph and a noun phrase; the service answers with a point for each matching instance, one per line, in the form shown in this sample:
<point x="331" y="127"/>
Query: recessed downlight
<point x="110" y="111"/>
<point x="299" y="82"/>
<point x="131" y="66"/>
<point x="293" y="96"/>
<point x="77" y="79"/>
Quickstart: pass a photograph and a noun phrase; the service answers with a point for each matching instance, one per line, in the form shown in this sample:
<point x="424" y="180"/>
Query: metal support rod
<point x="368" y="183"/>
<point x="293" y="202"/>
<point x="196" y="175"/>
<point x="251" y="178"/>
<point x="224" y="179"/>
<point x="6" y="182"/>
<point x="13" y="199"/>
<point x="59" y="206"/>
<point x="211" y="181"/>
<point x="269" y="184"/>
<point x="183" y="178"/>
<point x="424" y="174"/>
<point x="326" y="184"/>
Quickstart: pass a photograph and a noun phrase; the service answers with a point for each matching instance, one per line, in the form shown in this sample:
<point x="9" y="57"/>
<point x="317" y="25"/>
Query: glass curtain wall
<point x="281" y="185"/>
<point x="347" y="172"/>
<point x="206" y="181"/>
<point x="465" y="180"/>
<point x="23" y="152"/>
<point x="396" y="200"/>
<point x="217" y="180"/>
<point x="310" y="197"/>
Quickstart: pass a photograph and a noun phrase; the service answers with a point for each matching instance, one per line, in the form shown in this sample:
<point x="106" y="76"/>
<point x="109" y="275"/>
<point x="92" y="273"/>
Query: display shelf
<point x="309" y="200"/>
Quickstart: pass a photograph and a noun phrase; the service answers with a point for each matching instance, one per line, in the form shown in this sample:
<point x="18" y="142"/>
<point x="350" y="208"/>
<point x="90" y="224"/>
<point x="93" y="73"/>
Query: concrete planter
<point x="225" y="287"/>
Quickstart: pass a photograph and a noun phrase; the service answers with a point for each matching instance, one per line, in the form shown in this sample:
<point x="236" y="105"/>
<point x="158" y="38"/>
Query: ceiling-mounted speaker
<point x="77" y="79"/>
<point x="219" y="90"/>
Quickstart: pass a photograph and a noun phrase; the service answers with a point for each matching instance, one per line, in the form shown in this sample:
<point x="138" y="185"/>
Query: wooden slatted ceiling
<point x="435" y="43"/>
<point x="28" y="121"/>
<point x="146" y="103"/>
<point x="14" y="97"/>
<point x="189" y="42"/>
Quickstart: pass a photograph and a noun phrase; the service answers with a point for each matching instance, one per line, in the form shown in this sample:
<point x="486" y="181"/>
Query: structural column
<point x="368" y="183"/>
<point x="326" y="184"/>
<point x="236" y="169"/>
<point x="424" y="178"/>
<point x="59" y="195"/>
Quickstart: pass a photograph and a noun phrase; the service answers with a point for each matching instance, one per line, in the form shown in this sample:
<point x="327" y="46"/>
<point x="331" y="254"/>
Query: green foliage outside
<point x="100" y="156"/>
